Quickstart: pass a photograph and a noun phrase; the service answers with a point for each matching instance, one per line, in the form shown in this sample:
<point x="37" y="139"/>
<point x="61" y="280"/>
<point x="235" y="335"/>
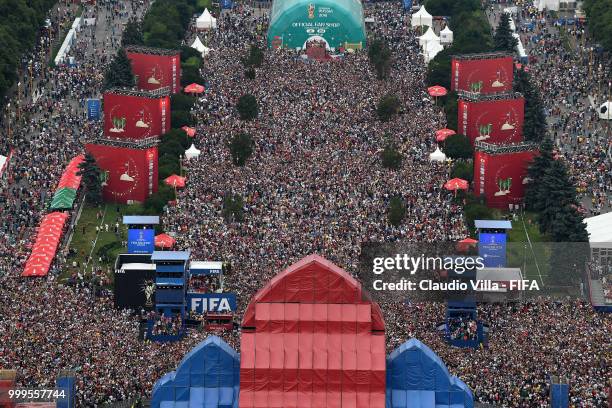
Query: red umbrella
<point x="164" y="241"/>
<point x="442" y="134"/>
<point x="468" y="240"/>
<point x="189" y="130"/>
<point x="456" y="184"/>
<point x="436" y="91"/>
<point x="194" y="88"/>
<point x="175" y="181"/>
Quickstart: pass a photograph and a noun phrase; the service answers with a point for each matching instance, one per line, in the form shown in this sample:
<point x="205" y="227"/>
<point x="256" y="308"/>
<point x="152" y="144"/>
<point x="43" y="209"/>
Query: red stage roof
<point x="312" y="337"/>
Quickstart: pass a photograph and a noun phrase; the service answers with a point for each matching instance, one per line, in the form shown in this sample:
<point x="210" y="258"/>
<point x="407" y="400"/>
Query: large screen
<point x="482" y="75"/>
<point x="497" y="122"/>
<point x="156" y="71"/>
<point x="135" y="117"/>
<point x="492" y="248"/>
<point x="128" y="174"/>
<point x="141" y="241"/>
<point x="135" y="289"/>
<point x="501" y="178"/>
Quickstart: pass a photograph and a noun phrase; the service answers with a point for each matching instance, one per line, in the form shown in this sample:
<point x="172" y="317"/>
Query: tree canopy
<point x="599" y="17"/>
<point x="119" y="73"/>
<point x="503" y="38"/>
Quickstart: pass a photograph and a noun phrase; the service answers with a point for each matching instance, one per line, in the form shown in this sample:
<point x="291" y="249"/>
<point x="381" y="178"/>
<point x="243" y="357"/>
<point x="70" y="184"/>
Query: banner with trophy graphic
<point x="155" y="68"/>
<point x="134" y="286"/>
<point x="501" y="176"/>
<point x="128" y="174"/>
<point x="482" y="73"/>
<point x="496" y="119"/>
<point x="135" y="115"/>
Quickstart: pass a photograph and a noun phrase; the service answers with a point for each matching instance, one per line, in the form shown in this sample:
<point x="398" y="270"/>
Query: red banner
<point x="482" y="75"/>
<point x="135" y="117"/>
<point x="501" y="178"/>
<point x="492" y="121"/>
<point x="156" y="71"/>
<point x="129" y="174"/>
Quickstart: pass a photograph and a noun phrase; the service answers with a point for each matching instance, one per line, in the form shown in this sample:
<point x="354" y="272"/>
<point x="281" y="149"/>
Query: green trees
<point x="166" y="22"/>
<point x="233" y="208"/>
<point x="241" y="148"/>
<point x="380" y="56"/>
<point x="534" y="124"/>
<point x="91" y="177"/>
<point x="397" y="211"/>
<point x="20" y="21"/>
<point x="119" y="73"/>
<point x="599" y="17"/>
<point x="254" y="58"/>
<point x="463" y="170"/>
<point x="247" y="107"/>
<point x="535" y="173"/>
<point x="391" y="157"/>
<point x="503" y="39"/>
<point x="458" y="147"/>
<point x="470" y="33"/>
<point x="132" y="35"/>
<point x="387" y="107"/>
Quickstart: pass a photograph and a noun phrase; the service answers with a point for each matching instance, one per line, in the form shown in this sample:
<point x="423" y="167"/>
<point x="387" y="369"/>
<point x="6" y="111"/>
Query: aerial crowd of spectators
<point x="315" y="184"/>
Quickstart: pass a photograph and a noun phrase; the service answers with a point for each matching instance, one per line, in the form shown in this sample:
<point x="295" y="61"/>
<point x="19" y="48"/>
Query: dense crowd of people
<point x="315" y="184"/>
<point x="576" y="80"/>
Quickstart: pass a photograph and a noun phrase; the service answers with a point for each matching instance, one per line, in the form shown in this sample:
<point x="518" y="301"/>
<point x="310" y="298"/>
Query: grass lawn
<point x="107" y="245"/>
<point x="532" y="259"/>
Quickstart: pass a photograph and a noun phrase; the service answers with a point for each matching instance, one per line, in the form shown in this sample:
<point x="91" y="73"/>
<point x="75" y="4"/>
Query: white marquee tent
<point x="431" y="50"/>
<point x="446" y="36"/>
<point x="421" y="18"/>
<point x="192" y="153"/>
<point x="198" y="45"/>
<point x="429" y="36"/>
<point x="206" y="21"/>
<point x="437" y="155"/>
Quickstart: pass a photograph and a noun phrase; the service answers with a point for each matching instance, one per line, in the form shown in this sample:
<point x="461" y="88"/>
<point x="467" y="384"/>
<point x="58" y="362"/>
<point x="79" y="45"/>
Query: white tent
<point x="429" y="36"/>
<point x="446" y="36"/>
<point x="206" y="51"/>
<point x="432" y="49"/>
<point x="198" y="45"/>
<point x="192" y="152"/>
<point x="3" y="160"/>
<point x="437" y="155"/>
<point x="206" y="21"/>
<point x="605" y="110"/>
<point x="421" y="18"/>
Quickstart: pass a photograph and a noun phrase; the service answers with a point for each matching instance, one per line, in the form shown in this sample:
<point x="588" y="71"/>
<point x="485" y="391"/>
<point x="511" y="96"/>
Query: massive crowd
<point x="315" y="184"/>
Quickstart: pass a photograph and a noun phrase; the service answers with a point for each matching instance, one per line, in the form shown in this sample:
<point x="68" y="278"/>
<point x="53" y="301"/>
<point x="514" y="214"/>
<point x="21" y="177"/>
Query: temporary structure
<point x="431" y="50"/>
<point x="206" y="21"/>
<point x="446" y="36"/>
<point x="198" y="45"/>
<point x="421" y="18"/>
<point x="192" y="152"/>
<point x="428" y="37"/>
<point x="437" y="155"/>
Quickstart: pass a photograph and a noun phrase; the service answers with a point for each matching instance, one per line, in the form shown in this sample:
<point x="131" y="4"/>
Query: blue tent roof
<point x="417" y="377"/>
<point x="209" y="375"/>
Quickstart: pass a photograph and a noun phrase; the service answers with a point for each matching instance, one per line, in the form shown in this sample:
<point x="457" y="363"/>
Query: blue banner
<point x="227" y="4"/>
<point x="93" y="109"/>
<point x="492" y="248"/>
<point x="211" y="302"/>
<point x="141" y="241"/>
<point x="407" y="4"/>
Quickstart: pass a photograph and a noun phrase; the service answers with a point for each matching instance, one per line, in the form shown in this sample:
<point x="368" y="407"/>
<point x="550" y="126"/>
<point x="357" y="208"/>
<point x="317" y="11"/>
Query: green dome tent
<point x="339" y="23"/>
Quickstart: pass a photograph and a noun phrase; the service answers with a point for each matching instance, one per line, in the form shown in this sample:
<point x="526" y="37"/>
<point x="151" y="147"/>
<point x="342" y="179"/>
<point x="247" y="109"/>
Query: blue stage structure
<point x="207" y="377"/>
<point x="559" y="393"/>
<point x="66" y="381"/>
<point x="465" y="310"/>
<point x="170" y="281"/>
<point x="418" y="378"/>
